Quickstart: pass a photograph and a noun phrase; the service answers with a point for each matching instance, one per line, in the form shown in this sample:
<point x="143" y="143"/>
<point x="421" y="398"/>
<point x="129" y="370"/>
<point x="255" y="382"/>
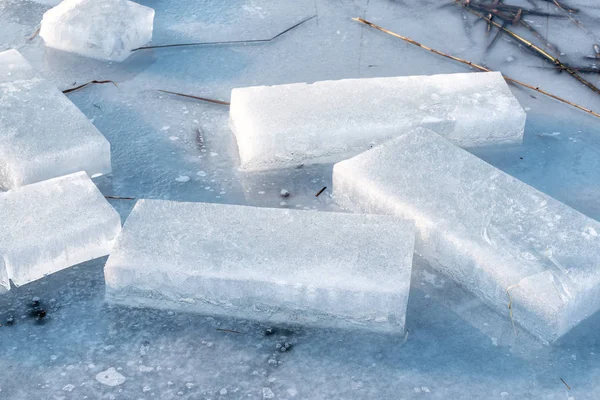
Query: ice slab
<point x="52" y="225"/>
<point x="106" y="30"/>
<point x="42" y="134"/>
<point x="284" y="125"/>
<point x="503" y="240"/>
<point x="331" y="269"/>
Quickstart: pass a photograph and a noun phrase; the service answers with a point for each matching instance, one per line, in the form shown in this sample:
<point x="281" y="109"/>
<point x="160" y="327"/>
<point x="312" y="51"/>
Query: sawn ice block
<point x="331" y="269"/>
<point x="42" y="134"/>
<point x="285" y="125"/>
<point x="503" y="240"/>
<point x="52" y="225"/>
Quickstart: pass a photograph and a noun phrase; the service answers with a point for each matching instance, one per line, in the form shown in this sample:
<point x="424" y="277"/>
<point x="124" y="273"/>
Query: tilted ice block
<point x="106" y="30"/>
<point x="4" y="283"/>
<point x="332" y="269"/>
<point x="42" y="134"/>
<point x="52" y="225"/>
<point x="280" y="126"/>
<point x="502" y="239"/>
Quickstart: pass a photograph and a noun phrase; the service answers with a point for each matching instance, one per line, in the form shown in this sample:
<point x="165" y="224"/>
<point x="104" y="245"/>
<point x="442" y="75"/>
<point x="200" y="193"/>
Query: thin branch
<point x="119" y="198"/>
<point x="196" y="97"/>
<point x="71" y="90"/>
<point x="538" y="50"/>
<point x="162" y="46"/>
<point x="471" y="64"/>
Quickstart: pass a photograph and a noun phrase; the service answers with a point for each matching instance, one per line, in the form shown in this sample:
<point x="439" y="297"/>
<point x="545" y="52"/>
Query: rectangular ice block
<point x="42" y="134"/>
<point x="331" y="269"/>
<point x="52" y="225"/>
<point x="282" y="126"/>
<point x="503" y="240"/>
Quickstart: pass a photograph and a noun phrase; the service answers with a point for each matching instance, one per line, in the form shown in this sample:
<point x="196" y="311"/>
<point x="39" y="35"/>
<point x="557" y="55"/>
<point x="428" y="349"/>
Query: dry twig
<point x="479" y="67"/>
<point x="71" y="90"/>
<point x="196" y="97"/>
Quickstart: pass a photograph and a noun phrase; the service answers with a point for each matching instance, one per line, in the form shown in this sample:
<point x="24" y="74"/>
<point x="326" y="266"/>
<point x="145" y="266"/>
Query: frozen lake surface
<point x="169" y="147"/>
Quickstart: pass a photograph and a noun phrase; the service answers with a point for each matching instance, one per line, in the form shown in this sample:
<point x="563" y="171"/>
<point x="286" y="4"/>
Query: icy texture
<point x="42" y="134"/>
<point x="4" y="283"/>
<point x="52" y="225"/>
<point x="278" y="126"/>
<point x="106" y="30"/>
<point x="499" y="237"/>
<point x="328" y="269"/>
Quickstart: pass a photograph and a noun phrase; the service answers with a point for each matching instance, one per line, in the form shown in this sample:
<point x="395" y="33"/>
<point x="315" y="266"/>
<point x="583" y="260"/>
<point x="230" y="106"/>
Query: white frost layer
<point x="106" y="30"/>
<point x="502" y="239"/>
<point x="280" y="126"/>
<point x="320" y="268"/>
<point x="42" y="134"/>
<point x="52" y="225"/>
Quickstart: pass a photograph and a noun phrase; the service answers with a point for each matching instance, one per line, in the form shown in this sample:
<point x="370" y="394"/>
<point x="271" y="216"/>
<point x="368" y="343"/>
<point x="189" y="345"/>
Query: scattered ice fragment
<point x="110" y="377"/>
<point x="146" y="389"/>
<point x="42" y="134"/>
<point x="52" y="225"/>
<point x="189" y="385"/>
<point x="69" y="388"/>
<point x="292" y="392"/>
<point x="165" y="128"/>
<point x="201" y="173"/>
<point x="182" y="178"/>
<point x="504" y="394"/>
<point x="143" y="368"/>
<point x="223" y="391"/>
<point x="267" y="393"/>
<point x="494" y="341"/>
<point x="498" y="237"/>
<point x="284" y="193"/>
<point x="425" y="389"/>
<point x="284" y="125"/>
<point x="213" y="154"/>
<point x="106" y="30"/>
<point x="510" y="59"/>
<point x="261" y="192"/>
<point x="173" y="138"/>
<point x="230" y="264"/>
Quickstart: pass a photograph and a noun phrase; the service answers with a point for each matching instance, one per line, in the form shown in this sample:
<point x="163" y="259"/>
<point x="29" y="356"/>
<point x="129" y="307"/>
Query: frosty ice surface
<point x="331" y="269"/>
<point x="502" y="239"/>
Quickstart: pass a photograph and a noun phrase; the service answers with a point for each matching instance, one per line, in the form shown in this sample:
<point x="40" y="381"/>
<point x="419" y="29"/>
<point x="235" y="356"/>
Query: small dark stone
<point x="269" y="331"/>
<point x="521" y="158"/>
<point x="35" y="302"/>
<point x="41" y="313"/>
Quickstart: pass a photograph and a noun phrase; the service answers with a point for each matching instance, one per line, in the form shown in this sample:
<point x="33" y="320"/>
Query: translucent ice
<point x="106" y="30"/>
<point x="52" y="225"/>
<point x="42" y="134"/>
<point x="502" y="239"/>
<point x="331" y="269"/>
<point x="279" y="126"/>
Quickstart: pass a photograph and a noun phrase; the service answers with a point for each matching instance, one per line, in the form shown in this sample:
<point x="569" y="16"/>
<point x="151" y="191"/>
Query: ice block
<point x="505" y="241"/>
<point x="42" y="134"/>
<point x="105" y="30"/>
<point x="330" y="269"/>
<point x="285" y="125"/>
<point x="51" y="225"/>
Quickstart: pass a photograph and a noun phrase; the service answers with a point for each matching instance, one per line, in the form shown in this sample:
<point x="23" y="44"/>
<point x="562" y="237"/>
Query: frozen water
<point x="106" y="30"/>
<point x="279" y="126"/>
<point x="42" y="134"/>
<point x="82" y="336"/>
<point x="4" y="282"/>
<point x="329" y="269"/>
<point x="52" y="225"/>
<point x="518" y="249"/>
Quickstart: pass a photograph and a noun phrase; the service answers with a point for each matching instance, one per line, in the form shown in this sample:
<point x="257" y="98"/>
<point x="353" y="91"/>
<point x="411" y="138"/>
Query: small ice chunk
<point x="106" y="30"/>
<point x="284" y="125"/>
<point x="110" y="377"/>
<point x="182" y="179"/>
<point x="42" y="134"/>
<point x="333" y="269"/>
<point x="500" y="238"/>
<point x="52" y="225"/>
